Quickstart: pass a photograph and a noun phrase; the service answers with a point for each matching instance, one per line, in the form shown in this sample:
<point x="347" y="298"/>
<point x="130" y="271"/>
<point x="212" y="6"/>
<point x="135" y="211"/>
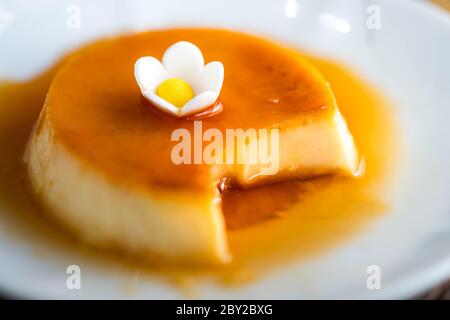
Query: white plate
<point x="408" y="58"/>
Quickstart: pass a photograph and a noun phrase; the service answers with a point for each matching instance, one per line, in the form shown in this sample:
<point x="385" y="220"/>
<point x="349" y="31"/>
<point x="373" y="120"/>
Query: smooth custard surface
<point x="97" y="111"/>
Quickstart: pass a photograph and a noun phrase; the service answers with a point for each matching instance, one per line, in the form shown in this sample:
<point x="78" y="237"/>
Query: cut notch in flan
<point x="100" y="157"/>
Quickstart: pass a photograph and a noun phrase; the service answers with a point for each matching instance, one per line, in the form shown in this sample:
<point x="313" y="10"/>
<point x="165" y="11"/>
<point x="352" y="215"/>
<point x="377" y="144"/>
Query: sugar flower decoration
<point x="181" y="84"/>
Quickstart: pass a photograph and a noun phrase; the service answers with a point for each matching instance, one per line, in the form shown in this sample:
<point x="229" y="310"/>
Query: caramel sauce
<point x="268" y="226"/>
<point x="118" y="125"/>
<point x="210" y="111"/>
<point x="213" y="110"/>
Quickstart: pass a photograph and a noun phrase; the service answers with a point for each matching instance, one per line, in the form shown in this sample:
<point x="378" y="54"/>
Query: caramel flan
<point x="100" y="156"/>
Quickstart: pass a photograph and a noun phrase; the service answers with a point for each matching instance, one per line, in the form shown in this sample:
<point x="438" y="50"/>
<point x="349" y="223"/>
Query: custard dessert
<point x="100" y="158"/>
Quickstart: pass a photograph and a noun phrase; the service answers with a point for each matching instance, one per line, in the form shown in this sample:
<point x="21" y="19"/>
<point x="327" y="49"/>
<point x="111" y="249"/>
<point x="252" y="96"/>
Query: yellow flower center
<point x="175" y="91"/>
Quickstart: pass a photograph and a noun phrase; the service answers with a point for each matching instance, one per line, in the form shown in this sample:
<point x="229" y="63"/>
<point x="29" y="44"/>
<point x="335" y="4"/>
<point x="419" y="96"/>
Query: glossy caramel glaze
<point x="96" y="108"/>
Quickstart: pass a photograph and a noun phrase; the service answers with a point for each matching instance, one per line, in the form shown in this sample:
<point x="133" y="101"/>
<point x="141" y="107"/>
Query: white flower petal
<point x="149" y="73"/>
<point x="162" y="104"/>
<point x="184" y="60"/>
<point x="212" y="77"/>
<point x="200" y="102"/>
